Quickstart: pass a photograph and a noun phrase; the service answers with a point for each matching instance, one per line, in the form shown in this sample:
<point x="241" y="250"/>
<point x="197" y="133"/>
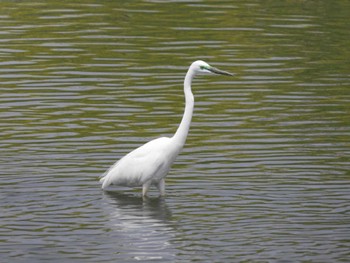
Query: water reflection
<point x="143" y="227"/>
<point x="264" y="175"/>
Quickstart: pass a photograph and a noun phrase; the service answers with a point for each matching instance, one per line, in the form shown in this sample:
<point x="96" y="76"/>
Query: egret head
<point x="201" y="67"/>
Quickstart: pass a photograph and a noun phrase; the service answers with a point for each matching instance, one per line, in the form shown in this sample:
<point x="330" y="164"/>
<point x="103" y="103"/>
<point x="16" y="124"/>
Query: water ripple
<point x="263" y="176"/>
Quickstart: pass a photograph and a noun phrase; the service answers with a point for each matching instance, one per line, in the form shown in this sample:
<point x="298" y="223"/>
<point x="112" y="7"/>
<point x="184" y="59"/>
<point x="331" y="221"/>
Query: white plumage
<point x="150" y="163"/>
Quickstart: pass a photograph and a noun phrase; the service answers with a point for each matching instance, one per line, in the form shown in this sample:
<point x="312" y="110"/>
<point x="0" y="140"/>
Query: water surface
<point x="264" y="176"/>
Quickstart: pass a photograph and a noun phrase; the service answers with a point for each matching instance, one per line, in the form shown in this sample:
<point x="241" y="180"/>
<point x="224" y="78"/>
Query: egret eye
<point x="204" y="68"/>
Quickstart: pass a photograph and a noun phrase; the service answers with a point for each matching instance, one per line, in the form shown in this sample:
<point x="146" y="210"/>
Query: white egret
<point x="149" y="164"/>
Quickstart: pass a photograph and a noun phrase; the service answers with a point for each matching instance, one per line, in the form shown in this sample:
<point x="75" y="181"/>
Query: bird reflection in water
<point x="141" y="228"/>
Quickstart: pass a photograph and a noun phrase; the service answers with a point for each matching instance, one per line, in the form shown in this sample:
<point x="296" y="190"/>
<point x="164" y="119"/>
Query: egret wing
<point x="144" y="163"/>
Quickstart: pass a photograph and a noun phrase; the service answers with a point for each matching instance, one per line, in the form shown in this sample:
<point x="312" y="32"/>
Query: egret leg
<point x="161" y="187"/>
<point x="145" y="188"/>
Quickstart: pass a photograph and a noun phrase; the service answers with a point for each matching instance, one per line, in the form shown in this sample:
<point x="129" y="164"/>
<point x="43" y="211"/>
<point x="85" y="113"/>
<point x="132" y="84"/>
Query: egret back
<point x="150" y="161"/>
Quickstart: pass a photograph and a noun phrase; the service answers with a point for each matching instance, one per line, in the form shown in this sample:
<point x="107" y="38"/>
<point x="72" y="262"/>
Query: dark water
<point x="264" y="176"/>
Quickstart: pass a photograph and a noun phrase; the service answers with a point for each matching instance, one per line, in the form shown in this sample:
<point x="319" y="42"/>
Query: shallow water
<point x="264" y="176"/>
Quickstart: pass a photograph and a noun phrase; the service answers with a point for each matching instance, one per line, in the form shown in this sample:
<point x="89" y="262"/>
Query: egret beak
<point x="220" y="72"/>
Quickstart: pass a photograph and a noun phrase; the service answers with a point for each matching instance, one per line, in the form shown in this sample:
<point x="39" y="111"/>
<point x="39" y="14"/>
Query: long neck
<point x="181" y="133"/>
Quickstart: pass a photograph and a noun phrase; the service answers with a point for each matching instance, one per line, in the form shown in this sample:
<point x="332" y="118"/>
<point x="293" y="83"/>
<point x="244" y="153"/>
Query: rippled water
<point x="264" y="176"/>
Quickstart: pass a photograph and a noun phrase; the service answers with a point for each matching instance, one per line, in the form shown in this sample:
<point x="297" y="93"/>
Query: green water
<point x="264" y="175"/>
